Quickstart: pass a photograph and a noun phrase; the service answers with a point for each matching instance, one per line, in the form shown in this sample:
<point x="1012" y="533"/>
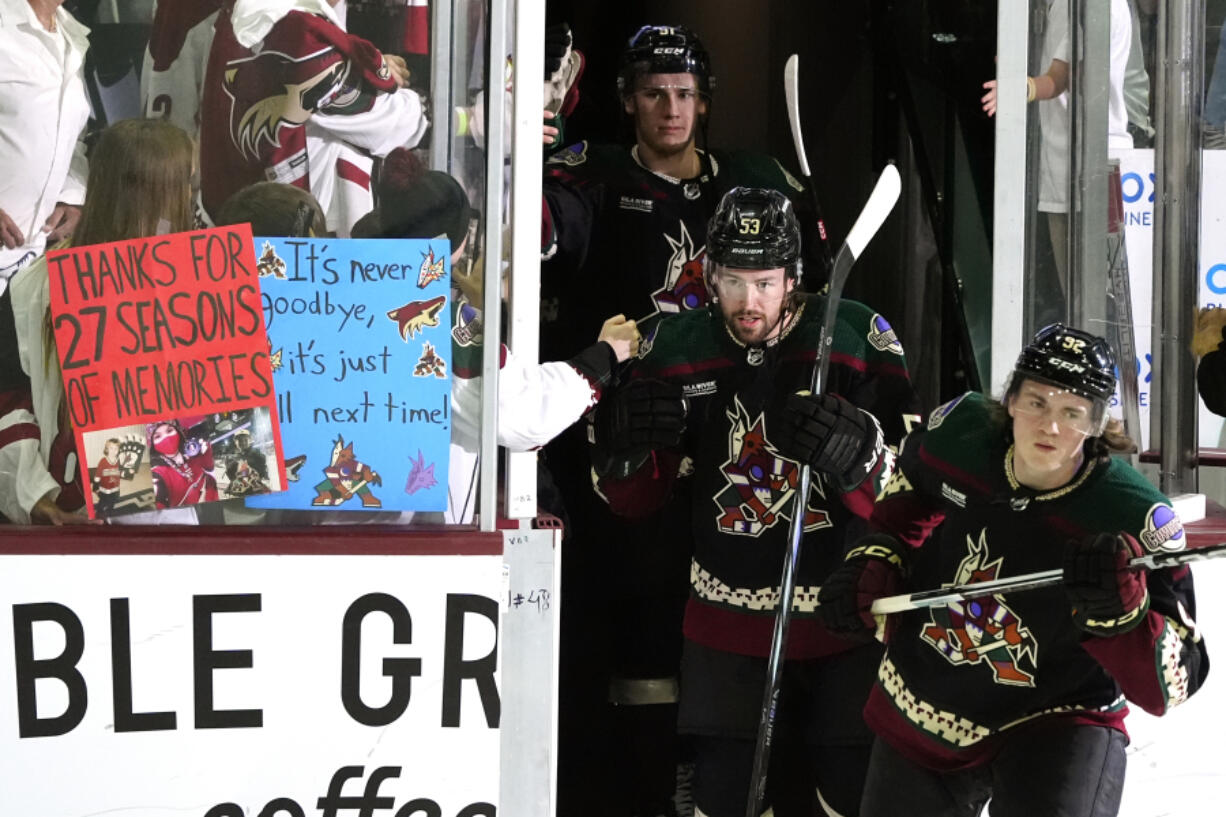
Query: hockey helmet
<point x="664" y="50"/>
<point x="1073" y="361"/>
<point x="754" y="228"/>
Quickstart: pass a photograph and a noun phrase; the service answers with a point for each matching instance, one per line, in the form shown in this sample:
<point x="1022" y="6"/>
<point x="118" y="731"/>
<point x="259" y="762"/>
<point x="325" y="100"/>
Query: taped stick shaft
<point x="1030" y="581"/>
<point x="879" y="204"/>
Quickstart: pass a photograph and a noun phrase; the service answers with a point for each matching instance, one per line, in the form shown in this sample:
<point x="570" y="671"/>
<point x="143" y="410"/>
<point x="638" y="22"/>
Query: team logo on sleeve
<point x="982" y="630"/>
<point x="1163" y="530"/>
<point x="881" y="336"/>
<point x="571" y="156"/>
<point x="468" y="327"/>
<point x="761" y="483"/>
<point x="684" y="287"/>
<point x="941" y="412"/>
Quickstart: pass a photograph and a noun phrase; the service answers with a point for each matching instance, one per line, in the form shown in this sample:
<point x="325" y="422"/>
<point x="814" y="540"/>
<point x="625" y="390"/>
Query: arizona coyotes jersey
<point x="175" y="61"/>
<point x="955" y="677"/>
<point x="742" y="489"/>
<point x="622" y="239"/>
<point x="307" y="105"/>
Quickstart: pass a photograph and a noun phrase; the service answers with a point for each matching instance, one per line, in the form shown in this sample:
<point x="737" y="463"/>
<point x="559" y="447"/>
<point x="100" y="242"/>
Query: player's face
<point x="665" y="108"/>
<point x="110" y="450"/>
<point x="1049" y="427"/>
<point x="752" y="301"/>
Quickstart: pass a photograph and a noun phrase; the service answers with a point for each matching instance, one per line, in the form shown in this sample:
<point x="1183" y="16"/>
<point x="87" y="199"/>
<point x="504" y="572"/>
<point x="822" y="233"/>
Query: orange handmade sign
<point x="165" y="331"/>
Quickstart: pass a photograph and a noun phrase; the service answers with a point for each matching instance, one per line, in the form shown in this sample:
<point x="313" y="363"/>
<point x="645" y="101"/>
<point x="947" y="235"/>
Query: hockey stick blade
<point x="879" y="205"/>
<point x="880" y="202"/>
<point x="1030" y="581"/>
<point x="791" y="91"/>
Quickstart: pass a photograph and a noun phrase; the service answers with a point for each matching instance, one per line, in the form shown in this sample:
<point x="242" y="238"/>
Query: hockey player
<point x="624" y="230"/>
<point x="635" y="217"/>
<point x="1019" y="697"/>
<point x="290" y="97"/>
<point x="734" y="449"/>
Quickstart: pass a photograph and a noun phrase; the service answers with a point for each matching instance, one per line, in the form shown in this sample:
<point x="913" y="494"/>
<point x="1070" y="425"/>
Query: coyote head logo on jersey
<point x="761" y="482"/>
<point x="684" y="287"/>
<point x="983" y="629"/>
<point x="264" y="96"/>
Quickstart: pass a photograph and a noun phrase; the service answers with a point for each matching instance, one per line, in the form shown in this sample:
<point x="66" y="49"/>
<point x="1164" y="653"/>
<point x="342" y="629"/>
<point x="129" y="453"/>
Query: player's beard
<point x="761" y="332"/>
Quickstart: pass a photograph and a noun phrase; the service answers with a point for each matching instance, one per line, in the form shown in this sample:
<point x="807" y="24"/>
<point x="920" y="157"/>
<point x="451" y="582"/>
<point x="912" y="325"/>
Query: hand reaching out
<point x="623" y="335"/>
<point x="989" y="99"/>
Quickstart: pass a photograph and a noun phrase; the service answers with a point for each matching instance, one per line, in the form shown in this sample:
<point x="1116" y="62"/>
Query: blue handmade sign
<point x="359" y="335"/>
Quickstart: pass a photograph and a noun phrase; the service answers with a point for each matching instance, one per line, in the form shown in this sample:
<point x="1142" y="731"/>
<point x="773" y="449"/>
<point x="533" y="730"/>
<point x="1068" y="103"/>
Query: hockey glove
<point x="871" y="570"/>
<point x="1107" y="598"/>
<point x="633" y="421"/>
<point x="828" y="433"/>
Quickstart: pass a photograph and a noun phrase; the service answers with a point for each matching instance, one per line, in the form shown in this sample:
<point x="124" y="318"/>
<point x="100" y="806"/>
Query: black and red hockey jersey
<point x="742" y="489"/>
<point x="302" y="102"/>
<point x="620" y="238"/>
<point x="954" y="678"/>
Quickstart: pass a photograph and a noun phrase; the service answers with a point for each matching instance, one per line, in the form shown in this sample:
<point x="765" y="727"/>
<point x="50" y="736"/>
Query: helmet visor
<point x="1045" y="403"/>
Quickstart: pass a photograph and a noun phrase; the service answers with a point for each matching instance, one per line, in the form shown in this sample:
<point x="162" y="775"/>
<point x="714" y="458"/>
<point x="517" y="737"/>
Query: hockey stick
<point x="879" y="205"/>
<point x="1030" y="581"/>
<point x="791" y="90"/>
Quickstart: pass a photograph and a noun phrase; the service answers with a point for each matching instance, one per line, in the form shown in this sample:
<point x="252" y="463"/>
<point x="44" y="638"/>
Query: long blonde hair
<point x="139" y="176"/>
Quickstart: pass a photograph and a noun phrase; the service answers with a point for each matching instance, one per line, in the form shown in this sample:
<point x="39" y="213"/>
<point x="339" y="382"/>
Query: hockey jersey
<point x="619" y="238"/>
<point x="290" y="97"/>
<point x="175" y="60"/>
<point x="742" y="490"/>
<point x="955" y="678"/>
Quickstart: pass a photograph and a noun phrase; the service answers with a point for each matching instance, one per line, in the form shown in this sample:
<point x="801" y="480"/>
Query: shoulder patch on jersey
<point x="646" y="343"/>
<point x="792" y="180"/>
<point x="941" y="412"/>
<point x="571" y="155"/>
<point x="881" y="335"/>
<point x="1163" y="529"/>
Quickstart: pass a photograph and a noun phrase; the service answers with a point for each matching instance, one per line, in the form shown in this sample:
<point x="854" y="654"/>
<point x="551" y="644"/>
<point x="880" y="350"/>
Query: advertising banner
<point x="215" y="686"/>
<point x="1137" y="182"/>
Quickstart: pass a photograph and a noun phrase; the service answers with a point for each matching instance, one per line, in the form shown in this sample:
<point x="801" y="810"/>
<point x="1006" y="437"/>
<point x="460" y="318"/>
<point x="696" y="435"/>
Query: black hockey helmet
<point x="754" y="228"/>
<point x="1071" y="360"/>
<point x="664" y="50"/>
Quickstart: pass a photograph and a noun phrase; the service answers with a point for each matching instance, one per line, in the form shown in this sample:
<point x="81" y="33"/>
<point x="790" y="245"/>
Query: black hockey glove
<point x="828" y="433"/>
<point x="633" y="421"/>
<point x="1107" y="598"/>
<point x="873" y="569"/>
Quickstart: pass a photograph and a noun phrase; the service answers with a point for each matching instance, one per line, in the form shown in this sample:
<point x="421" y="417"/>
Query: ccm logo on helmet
<point x="1065" y="364"/>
